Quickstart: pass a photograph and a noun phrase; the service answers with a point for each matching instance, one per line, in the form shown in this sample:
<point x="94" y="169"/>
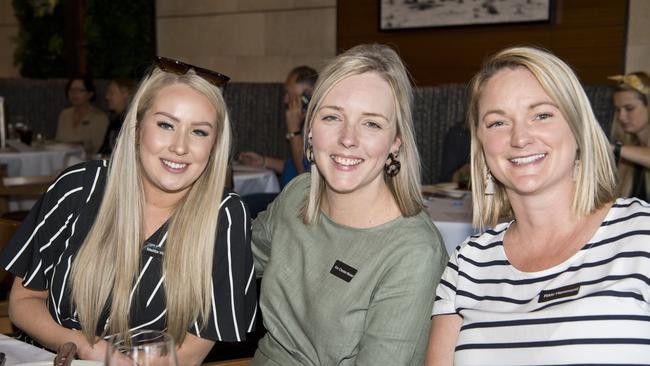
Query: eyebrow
<point x="368" y="114"/>
<point x="200" y="123"/>
<point x="501" y="112"/>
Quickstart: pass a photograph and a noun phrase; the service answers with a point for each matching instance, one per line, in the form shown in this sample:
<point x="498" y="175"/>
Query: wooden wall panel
<point x="588" y="34"/>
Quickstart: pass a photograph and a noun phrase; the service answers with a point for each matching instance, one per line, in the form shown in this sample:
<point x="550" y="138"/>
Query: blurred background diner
<point x="45" y="43"/>
<point x="82" y="122"/>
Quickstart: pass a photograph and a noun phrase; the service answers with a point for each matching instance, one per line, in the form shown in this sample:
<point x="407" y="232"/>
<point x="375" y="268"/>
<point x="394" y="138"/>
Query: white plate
<point x="448" y="189"/>
<point x="74" y="363"/>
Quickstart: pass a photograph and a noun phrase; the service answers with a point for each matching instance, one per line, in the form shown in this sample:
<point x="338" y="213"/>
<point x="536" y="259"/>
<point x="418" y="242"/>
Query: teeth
<point x="173" y="165"/>
<point x="527" y="159"/>
<point x="345" y="161"/>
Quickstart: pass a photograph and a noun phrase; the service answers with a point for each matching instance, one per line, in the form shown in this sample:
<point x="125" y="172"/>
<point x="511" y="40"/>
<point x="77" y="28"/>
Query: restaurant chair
<point x="6" y="327"/>
<point x="20" y="187"/>
<point x="7" y="230"/>
<point x="237" y="362"/>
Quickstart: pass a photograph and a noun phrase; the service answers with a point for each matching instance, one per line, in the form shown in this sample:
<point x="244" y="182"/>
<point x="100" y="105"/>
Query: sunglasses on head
<point x="181" y="68"/>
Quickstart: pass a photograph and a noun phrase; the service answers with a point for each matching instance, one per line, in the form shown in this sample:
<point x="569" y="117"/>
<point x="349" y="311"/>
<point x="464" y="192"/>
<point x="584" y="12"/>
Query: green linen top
<point x="314" y="317"/>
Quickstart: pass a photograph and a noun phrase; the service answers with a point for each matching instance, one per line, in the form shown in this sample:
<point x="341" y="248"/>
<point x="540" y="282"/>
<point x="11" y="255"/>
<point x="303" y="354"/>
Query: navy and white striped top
<point x="43" y="249"/>
<point x="594" y="308"/>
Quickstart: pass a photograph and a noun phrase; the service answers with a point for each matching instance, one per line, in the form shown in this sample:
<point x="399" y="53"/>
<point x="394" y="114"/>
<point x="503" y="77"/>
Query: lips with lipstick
<point x="345" y="161"/>
<point x="527" y="159"/>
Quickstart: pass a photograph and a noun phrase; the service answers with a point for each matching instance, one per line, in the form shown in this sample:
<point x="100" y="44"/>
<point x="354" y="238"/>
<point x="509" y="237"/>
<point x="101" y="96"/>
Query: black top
<point x="638" y="184"/>
<point x="455" y="151"/>
<point x="44" y="247"/>
<point x="111" y="134"/>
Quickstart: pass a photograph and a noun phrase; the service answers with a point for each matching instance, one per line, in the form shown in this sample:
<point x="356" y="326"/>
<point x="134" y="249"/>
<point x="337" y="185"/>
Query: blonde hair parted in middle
<point x="385" y="62"/>
<point x="107" y="265"/>
<point x="595" y="179"/>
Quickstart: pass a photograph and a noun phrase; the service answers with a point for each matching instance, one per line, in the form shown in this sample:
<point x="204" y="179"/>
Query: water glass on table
<point x="142" y="348"/>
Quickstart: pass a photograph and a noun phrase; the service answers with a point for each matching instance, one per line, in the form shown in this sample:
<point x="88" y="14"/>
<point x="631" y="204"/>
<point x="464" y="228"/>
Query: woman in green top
<point x="350" y="259"/>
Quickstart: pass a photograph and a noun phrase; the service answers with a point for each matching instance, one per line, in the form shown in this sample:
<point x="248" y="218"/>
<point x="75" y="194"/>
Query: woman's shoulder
<point x="294" y="193"/>
<point x="66" y="113"/>
<point x="77" y="175"/>
<point x="627" y="212"/>
<point x="98" y="112"/>
<point x="487" y="243"/>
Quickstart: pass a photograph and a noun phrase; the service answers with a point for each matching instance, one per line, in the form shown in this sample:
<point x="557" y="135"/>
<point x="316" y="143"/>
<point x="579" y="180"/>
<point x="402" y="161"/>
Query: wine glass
<point x="142" y="348"/>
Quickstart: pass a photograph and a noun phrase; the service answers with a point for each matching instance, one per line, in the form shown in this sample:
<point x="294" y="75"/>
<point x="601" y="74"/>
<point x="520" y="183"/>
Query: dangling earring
<point x="489" y="184"/>
<point x="576" y="170"/>
<point x="392" y="165"/>
<point x="310" y="152"/>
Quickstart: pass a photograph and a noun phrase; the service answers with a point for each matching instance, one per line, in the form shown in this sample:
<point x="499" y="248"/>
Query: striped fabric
<point x="44" y="248"/>
<point x="594" y="308"/>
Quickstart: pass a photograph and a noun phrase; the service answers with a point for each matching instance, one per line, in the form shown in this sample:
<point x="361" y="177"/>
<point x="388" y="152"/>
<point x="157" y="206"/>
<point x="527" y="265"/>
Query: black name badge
<point x="343" y="271"/>
<point x="558" y="293"/>
<point x="153" y="250"/>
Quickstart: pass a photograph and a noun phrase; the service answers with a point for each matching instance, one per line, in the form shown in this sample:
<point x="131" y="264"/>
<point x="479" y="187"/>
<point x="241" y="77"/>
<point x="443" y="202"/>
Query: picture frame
<point x="408" y="14"/>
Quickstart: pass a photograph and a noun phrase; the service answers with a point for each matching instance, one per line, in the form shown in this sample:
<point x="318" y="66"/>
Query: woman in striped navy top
<point x="151" y="240"/>
<point x="564" y="278"/>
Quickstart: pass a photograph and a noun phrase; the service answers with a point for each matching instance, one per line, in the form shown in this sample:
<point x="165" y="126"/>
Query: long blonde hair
<point x="595" y="180"/>
<point x="626" y="169"/>
<point x="382" y="60"/>
<point x="107" y="264"/>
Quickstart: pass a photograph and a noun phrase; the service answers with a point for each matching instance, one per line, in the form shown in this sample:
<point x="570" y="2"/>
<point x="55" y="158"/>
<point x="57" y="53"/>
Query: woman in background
<point x="109" y="249"/>
<point x="118" y="97"/>
<point x="82" y="122"/>
<point x="349" y="256"/>
<point x="563" y="279"/>
<point x="631" y="134"/>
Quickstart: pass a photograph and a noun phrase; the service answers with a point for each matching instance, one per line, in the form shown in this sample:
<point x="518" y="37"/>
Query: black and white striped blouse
<point x="593" y="308"/>
<point x="44" y="248"/>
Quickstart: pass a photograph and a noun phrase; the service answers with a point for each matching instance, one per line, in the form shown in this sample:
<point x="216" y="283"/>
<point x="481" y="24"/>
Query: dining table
<point x="18" y="352"/>
<point x="452" y="216"/>
<point x="39" y="159"/>
<point x="249" y="180"/>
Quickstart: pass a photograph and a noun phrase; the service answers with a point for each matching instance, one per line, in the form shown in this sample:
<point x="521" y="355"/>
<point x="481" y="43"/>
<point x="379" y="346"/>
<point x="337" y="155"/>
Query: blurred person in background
<point x="298" y="89"/>
<point x="82" y="122"/>
<point x="631" y="134"/>
<point x="118" y="96"/>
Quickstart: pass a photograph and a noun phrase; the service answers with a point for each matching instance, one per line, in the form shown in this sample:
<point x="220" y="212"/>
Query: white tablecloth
<point x="46" y="159"/>
<point x="249" y="180"/>
<point x="453" y="217"/>
<point x="19" y="352"/>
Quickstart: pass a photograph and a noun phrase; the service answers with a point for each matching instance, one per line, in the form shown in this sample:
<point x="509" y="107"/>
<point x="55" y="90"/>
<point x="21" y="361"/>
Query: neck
<point x="536" y="214"/>
<point x="366" y="208"/>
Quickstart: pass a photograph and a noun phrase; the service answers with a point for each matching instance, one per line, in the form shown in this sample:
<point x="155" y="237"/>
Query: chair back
<point x="7" y="230"/>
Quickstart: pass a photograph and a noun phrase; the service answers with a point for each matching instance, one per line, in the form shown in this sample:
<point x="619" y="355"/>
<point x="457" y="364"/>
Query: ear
<point x="397" y="143"/>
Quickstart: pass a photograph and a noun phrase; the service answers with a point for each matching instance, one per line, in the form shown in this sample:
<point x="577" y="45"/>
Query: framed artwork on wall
<point x="404" y="14"/>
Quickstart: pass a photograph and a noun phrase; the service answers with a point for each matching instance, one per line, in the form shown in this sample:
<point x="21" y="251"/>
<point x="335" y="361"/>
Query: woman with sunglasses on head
<point x="149" y="240"/>
<point x="82" y="122"/>
<point x="631" y="134"/>
<point x="349" y="257"/>
<point x="562" y="276"/>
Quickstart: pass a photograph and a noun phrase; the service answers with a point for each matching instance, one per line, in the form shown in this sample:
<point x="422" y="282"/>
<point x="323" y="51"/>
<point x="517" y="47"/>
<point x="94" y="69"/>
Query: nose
<point x="521" y="135"/>
<point x="179" y="143"/>
<point x="348" y="135"/>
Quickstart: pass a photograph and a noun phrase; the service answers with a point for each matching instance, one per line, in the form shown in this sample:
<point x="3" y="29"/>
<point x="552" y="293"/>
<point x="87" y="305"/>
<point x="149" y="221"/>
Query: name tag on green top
<point x="343" y="271"/>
